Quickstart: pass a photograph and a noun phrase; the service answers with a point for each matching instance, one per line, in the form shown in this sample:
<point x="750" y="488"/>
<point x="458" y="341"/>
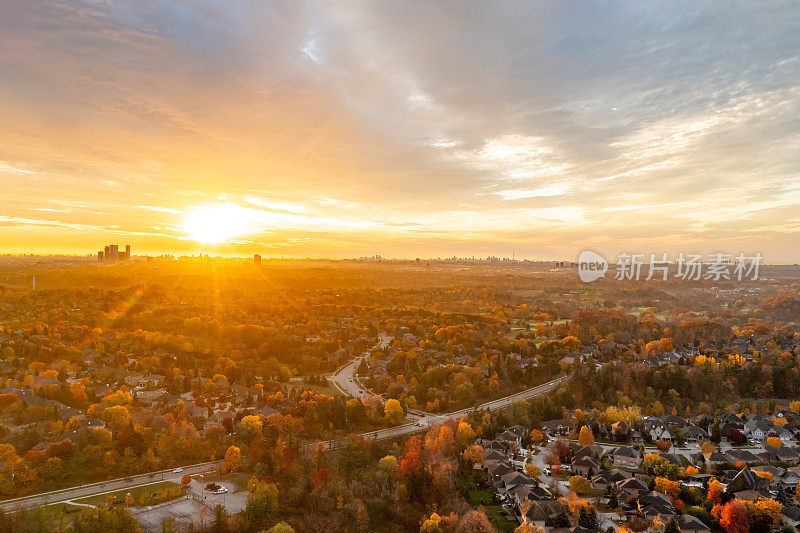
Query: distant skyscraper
<point x="257" y="260"/>
<point x="113" y="252"/>
<point x="100" y="256"/>
<point x="127" y="252"/>
<point x="106" y="254"/>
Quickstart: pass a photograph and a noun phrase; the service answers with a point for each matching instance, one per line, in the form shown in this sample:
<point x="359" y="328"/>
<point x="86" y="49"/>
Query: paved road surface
<point x="92" y="489"/>
<point x="431" y="420"/>
<point x="344" y="379"/>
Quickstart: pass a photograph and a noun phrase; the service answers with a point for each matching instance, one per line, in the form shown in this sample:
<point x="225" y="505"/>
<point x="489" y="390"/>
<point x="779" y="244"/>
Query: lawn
<point x="484" y="497"/>
<point x="150" y="494"/>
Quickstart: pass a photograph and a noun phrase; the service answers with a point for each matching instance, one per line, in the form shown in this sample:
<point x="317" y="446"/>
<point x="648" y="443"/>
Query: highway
<point x="92" y="489"/>
<point x="345" y="379"/>
<point x="428" y="420"/>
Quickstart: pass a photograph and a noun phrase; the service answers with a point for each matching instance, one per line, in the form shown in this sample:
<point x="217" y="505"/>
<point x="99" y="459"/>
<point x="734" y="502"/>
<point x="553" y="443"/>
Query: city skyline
<point x="335" y="130"/>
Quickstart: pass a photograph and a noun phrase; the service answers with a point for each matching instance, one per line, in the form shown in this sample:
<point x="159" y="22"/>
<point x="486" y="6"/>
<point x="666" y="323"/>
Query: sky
<point x="405" y="129"/>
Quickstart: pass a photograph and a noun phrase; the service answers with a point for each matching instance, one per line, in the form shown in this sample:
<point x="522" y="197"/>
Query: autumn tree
<point x="580" y="485"/>
<point x="668" y="487"/>
<point x="250" y="426"/>
<point x="708" y="447"/>
<point x="766" y="513"/>
<point x="393" y="411"/>
<point x="733" y="518"/>
<point x="473" y="454"/>
<point x="233" y="458"/>
<point x="532" y="470"/>
<point x="431" y="524"/>
<point x="464" y="435"/>
<point x="774" y="442"/>
<point x="262" y="501"/>
<point x="475" y="522"/>
<point x="585" y="437"/>
<point x="388" y="464"/>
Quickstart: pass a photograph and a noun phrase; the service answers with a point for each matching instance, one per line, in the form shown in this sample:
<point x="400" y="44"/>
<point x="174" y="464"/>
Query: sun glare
<point x="214" y="224"/>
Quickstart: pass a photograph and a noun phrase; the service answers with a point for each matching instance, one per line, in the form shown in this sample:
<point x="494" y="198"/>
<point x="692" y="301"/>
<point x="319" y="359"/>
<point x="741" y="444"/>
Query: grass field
<point x="484" y="497"/>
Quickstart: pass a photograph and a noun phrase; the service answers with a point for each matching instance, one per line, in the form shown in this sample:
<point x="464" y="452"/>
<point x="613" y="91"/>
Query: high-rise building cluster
<point x="111" y="254"/>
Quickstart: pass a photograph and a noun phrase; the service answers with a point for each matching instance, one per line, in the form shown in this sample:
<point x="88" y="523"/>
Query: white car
<point x="177" y="471"/>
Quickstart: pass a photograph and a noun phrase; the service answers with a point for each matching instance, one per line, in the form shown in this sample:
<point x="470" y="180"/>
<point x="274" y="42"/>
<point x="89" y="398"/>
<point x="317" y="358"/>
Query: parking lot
<point x="196" y="507"/>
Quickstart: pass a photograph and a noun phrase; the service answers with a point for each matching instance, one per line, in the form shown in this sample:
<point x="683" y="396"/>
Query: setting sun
<point x="215" y="224"/>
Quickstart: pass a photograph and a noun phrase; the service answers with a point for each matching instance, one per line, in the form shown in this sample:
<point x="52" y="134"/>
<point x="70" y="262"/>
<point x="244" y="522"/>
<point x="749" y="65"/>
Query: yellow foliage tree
<point x="233" y="458"/>
<point x="388" y="464"/>
<point x="774" y="442"/>
<point x="767" y="508"/>
<point x="252" y="425"/>
<point x="464" y="435"/>
<point x="766" y="475"/>
<point x="431" y="525"/>
<point x="586" y="436"/>
<point x="393" y="411"/>
<point x="708" y="447"/>
<point x="580" y="485"/>
<point x="532" y="470"/>
<point x="670" y="488"/>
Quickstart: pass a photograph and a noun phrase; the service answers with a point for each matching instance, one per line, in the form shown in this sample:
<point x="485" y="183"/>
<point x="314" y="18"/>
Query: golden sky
<point x="340" y="129"/>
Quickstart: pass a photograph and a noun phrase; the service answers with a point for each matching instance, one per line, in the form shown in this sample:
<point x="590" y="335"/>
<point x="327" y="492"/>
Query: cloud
<point x="410" y="127"/>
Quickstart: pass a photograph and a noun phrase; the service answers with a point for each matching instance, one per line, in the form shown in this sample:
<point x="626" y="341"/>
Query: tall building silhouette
<point x="111" y="254"/>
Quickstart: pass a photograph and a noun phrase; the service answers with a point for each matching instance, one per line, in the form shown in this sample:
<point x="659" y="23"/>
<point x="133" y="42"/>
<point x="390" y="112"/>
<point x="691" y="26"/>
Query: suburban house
<point x="586" y="466"/>
<point x="625" y="456"/>
<point x="557" y="427"/>
<point x="694" y="434"/>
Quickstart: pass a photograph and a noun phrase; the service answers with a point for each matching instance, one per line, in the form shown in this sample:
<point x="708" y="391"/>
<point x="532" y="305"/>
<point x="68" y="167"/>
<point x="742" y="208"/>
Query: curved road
<point x="431" y="420"/>
<point x="344" y="379"/>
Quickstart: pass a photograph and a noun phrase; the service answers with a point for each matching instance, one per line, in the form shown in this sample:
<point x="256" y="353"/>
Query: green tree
<point x="262" y="501"/>
<point x="220" y="523"/>
<point x="587" y="517"/>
